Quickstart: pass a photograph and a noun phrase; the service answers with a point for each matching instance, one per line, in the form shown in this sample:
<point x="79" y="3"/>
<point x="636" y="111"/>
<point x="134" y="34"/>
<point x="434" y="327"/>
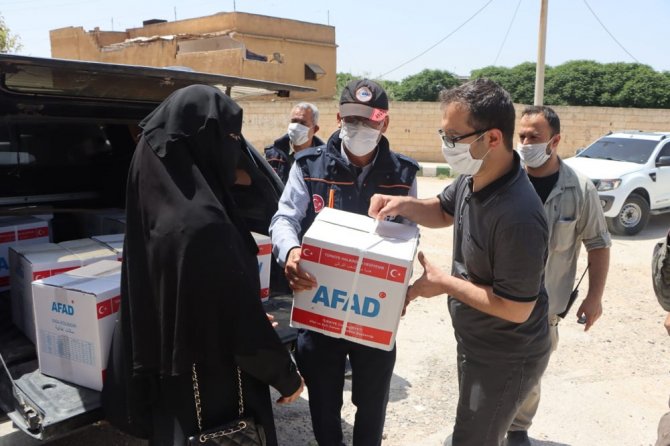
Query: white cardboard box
<point x="75" y="313"/>
<point x="113" y="242"/>
<point x="33" y="262"/>
<point x="15" y="231"/>
<point x="89" y="250"/>
<point x="363" y="270"/>
<point x="264" y="259"/>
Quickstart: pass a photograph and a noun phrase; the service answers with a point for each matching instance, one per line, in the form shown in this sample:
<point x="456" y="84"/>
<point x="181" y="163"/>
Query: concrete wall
<point x="413" y="126"/>
<point x="288" y="45"/>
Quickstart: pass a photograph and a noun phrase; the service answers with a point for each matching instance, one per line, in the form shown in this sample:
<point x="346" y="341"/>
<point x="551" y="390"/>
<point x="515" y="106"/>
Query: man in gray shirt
<point x="575" y="217"/>
<point x="497" y="299"/>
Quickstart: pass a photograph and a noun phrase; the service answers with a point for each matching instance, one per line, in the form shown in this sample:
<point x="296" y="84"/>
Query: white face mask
<point x="534" y="155"/>
<point x="460" y="158"/>
<point x="298" y="133"/>
<point x="359" y="139"/>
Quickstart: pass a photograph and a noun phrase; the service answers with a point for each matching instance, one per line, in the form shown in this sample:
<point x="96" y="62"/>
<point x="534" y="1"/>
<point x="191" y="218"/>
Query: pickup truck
<point x="631" y="171"/>
<point x="67" y="133"/>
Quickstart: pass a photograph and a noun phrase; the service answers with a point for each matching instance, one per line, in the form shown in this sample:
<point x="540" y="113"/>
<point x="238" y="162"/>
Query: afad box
<point x="75" y="313"/>
<point x="362" y="269"/>
<point x="33" y="262"/>
<point x="264" y="259"/>
<point x="113" y="242"/>
<point x="15" y="231"/>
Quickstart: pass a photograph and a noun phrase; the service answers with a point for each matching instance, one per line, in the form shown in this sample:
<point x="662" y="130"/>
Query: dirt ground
<point x="608" y="386"/>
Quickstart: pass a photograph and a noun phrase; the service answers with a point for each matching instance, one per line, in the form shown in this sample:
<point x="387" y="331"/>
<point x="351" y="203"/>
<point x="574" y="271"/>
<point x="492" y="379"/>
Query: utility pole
<point x="541" y="44"/>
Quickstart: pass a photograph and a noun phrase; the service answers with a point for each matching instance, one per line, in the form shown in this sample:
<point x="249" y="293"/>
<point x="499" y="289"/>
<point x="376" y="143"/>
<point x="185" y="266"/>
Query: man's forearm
<point x="599" y="261"/>
<point x="485" y="300"/>
<point x="426" y="212"/>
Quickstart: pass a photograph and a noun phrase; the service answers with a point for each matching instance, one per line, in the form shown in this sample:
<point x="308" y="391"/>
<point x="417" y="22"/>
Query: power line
<point x="507" y="33"/>
<point x="438" y="42"/>
<point x="608" y="32"/>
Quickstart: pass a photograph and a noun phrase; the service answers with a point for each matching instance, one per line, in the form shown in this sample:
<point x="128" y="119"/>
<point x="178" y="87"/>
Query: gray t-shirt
<point x="500" y="240"/>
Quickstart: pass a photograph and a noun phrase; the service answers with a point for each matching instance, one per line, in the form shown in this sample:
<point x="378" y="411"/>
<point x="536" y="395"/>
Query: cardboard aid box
<point x="33" y="262"/>
<point x="75" y="313"/>
<point x="18" y="231"/>
<point x="113" y="242"/>
<point x="264" y="259"/>
<point x="363" y="269"/>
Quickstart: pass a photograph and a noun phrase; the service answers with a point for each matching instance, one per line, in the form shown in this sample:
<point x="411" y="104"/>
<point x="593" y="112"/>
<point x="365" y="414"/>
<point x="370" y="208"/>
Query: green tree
<point x="649" y="89"/>
<point x="634" y="85"/>
<point x="424" y="86"/>
<point x="519" y="81"/>
<point x="8" y="42"/>
<point x="391" y="87"/>
<point x="578" y="82"/>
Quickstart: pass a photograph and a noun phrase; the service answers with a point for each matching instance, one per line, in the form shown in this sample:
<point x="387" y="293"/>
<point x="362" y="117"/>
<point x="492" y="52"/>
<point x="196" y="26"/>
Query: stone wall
<point x="413" y="126"/>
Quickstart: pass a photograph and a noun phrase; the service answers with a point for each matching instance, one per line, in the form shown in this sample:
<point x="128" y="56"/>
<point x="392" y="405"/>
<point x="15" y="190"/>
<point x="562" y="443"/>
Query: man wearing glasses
<point x="497" y="299"/>
<point x="355" y="164"/>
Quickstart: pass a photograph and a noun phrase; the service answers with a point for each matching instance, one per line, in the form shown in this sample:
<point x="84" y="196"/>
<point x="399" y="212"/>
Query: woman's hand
<point x="296" y="394"/>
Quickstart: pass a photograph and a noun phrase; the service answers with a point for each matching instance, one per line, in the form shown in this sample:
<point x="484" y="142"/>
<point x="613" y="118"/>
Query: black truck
<point x="67" y="133"/>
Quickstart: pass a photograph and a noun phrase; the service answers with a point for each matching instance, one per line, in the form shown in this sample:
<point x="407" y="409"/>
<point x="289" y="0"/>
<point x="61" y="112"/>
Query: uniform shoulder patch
<point x="310" y="152"/>
<point x="407" y="159"/>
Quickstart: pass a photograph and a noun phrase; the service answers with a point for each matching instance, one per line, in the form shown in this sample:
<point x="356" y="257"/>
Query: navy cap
<point x="364" y="98"/>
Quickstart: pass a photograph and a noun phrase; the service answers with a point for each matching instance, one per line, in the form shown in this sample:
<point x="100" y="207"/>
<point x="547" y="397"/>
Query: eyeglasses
<point x="450" y="141"/>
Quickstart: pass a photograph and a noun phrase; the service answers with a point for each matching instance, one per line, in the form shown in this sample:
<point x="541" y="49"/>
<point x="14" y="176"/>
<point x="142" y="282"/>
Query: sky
<point x="395" y="39"/>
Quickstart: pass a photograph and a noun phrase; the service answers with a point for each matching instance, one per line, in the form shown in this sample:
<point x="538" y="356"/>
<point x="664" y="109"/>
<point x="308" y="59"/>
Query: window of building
<point x="313" y="71"/>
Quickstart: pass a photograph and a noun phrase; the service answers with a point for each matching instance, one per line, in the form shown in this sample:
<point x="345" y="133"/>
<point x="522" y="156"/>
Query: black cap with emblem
<point x="364" y="98"/>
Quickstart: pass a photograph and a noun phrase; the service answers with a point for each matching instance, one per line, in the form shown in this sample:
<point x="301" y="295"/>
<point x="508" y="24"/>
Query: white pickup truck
<point x="631" y="170"/>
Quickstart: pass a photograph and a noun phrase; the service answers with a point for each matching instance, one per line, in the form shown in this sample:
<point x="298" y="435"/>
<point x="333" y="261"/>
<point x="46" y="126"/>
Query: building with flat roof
<point x="232" y="43"/>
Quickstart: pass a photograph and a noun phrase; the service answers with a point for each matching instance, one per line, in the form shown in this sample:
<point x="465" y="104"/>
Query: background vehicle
<point x="67" y="134"/>
<point x="631" y="171"/>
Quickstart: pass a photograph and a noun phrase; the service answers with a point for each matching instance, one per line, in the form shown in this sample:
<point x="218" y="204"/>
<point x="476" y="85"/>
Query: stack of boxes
<point x="65" y="296"/>
<point x="39" y="261"/>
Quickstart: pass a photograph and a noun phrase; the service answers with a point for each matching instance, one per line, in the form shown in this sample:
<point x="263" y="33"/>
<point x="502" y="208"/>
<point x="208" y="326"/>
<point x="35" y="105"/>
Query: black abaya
<point x="189" y="291"/>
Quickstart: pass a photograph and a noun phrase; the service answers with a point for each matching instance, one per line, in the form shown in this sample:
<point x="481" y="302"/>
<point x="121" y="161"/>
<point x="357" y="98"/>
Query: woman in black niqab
<point x="190" y="285"/>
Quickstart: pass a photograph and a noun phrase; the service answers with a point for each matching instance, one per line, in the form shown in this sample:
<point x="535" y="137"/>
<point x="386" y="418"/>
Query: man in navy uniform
<point x="299" y="135"/>
<point x="344" y="174"/>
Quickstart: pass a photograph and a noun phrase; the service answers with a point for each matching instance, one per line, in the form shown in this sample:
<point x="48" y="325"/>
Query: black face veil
<point x="188" y="257"/>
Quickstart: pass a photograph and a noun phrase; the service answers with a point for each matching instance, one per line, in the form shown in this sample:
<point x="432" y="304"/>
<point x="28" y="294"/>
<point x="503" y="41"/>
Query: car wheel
<point x="632" y="217"/>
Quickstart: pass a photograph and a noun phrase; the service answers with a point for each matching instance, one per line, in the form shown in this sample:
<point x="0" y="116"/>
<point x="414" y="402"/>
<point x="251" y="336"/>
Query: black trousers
<point x="490" y="394"/>
<point x="321" y="362"/>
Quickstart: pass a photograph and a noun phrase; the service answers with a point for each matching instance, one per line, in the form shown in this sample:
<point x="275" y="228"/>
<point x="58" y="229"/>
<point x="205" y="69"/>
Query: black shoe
<point x="518" y="438"/>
